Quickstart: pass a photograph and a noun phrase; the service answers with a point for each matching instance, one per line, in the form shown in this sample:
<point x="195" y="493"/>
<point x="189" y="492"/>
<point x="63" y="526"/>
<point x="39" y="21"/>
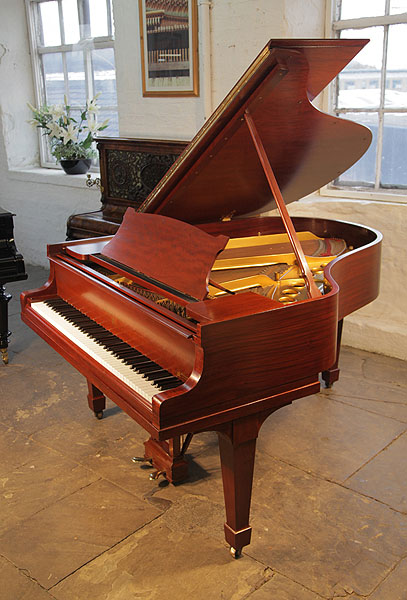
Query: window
<point x="372" y="90"/>
<point x="72" y="44"/>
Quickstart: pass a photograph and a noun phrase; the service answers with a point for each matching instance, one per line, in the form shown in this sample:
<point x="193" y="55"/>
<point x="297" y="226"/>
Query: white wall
<point x="42" y="202"/>
<point x="382" y="325"/>
<point x="238" y="30"/>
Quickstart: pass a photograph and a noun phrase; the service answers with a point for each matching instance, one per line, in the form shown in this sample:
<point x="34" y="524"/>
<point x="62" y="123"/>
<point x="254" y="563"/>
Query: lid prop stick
<point x="312" y="289"/>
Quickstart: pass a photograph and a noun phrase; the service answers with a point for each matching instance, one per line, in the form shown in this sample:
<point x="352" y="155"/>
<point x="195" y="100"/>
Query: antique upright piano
<point x="199" y="314"/>
<point x="11" y="269"/>
<point x="129" y="171"/>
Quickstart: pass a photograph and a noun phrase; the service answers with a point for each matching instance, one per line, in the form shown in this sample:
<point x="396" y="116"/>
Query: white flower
<point x="57" y="111"/>
<point x="54" y="130"/>
<point x="92" y="125"/>
<point x="70" y="133"/>
<point x="91" y="104"/>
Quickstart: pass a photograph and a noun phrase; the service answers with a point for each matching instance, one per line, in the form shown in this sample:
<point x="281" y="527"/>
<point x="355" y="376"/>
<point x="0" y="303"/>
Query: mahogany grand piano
<point x="199" y="314"/>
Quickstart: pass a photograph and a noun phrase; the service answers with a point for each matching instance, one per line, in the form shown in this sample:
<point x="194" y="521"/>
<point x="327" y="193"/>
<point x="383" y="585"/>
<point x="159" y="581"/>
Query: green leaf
<point x="88" y="141"/>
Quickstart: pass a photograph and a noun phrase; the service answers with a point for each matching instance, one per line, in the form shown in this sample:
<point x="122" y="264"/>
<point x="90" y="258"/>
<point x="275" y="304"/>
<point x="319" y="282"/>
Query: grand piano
<point x="200" y="314"/>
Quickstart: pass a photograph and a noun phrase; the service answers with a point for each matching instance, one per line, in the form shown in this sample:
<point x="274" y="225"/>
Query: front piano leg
<point x="96" y="400"/>
<point x="332" y="374"/>
<point x="237" y="447"/>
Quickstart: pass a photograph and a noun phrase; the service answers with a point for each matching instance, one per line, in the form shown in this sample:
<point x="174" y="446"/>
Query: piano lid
<point x="219" y="173"/>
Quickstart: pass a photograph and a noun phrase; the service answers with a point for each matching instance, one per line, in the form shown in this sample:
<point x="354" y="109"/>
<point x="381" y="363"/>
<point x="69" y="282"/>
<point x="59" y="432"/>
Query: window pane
<point x="398" y="6"/>
<point x="113" y="125"/>
<point x="351" y="9"/>
<point x="71" y="22"/>
<point x="50" y="24"/>
<point x="359" y="82"/>
<point x="105" y="76"/>
<point x="394" y="163"/>
<point x="54" y="78"/>
<point x="76" y="78"/>
<point x="396" y="73"/>
<point x="362" y="172"/>
<point x="98" y="18"/>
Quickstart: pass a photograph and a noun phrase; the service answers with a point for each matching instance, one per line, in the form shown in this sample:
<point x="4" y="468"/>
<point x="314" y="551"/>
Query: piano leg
<point x="237" y="447"/>
<point x="332" y="374"/>
<point x="96" y="400"/>
<point x="4" y="332"/>
<point x="168" y="457"/>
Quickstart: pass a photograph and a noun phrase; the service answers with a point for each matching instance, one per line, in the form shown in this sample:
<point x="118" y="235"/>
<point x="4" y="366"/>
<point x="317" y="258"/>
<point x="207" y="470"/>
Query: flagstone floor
<point x="80" y="521"/>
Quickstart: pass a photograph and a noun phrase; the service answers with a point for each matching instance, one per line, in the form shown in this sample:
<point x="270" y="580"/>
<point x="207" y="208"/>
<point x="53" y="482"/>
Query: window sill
<point x="51" y="176"/>
<point x="352" y="194"/>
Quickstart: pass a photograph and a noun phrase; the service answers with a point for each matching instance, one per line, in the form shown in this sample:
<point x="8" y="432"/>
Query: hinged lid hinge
<point x="229" y="216"/>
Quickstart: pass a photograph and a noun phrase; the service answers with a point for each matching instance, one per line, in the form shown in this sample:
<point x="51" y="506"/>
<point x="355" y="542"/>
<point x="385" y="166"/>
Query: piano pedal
<point x="235" y="553"/>
<point x="156" y="474"/>
<point x="4" y="355"/>
<point x="141" y="459"/>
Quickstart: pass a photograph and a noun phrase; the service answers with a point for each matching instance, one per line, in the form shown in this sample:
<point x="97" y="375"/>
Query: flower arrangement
<point x="68" y="138"/>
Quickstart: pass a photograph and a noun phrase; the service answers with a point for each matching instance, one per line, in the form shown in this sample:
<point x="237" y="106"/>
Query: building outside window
<point x="72" y="46"/>
<point x="372" y="90"/>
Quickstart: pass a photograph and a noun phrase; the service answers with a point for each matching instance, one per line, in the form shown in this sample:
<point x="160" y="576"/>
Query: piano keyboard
<point x="137" y="371"/>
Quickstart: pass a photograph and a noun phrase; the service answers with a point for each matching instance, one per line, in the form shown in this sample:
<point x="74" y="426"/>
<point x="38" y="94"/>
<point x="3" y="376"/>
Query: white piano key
<point x="105" y="358"/>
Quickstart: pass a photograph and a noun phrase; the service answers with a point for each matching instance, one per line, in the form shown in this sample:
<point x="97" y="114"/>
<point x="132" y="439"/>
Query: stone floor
<point x="80" y="521"/>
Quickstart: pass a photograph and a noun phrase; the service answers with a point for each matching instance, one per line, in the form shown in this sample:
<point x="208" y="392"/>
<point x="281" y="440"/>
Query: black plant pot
<point x="77" y="166"/>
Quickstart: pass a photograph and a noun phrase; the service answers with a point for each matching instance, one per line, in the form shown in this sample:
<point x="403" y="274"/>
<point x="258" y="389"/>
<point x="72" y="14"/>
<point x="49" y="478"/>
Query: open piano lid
<point x="219" y="173"/>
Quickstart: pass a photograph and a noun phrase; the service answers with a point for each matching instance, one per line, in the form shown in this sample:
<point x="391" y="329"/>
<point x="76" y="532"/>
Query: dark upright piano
<point x="199" y="314"/>
<point x="129" y="171"/>
<point x="11" y="269"/>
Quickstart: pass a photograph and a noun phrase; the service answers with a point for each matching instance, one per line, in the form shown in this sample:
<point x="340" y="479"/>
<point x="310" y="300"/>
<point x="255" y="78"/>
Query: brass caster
<point x="235" y="553"/>
<point x="155" y="475"/>
<point x="4" y="355"/>
<point x="99" y="414"/>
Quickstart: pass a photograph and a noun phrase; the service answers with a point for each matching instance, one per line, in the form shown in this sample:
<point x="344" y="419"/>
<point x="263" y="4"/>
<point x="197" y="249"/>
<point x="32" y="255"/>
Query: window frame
<point x="86" y="45"/>
<point x="334" y="26"/>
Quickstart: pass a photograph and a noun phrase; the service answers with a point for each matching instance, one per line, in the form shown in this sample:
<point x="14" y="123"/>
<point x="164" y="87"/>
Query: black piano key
<point x="127" y="357"/>
<point x="157" y="375"/>
<point x="118" y="344"/>
<point x="102" y="339"/>
<point x="140" y="361"/>
<point x="144" y="368"/>
<point x="168" y="385"/>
